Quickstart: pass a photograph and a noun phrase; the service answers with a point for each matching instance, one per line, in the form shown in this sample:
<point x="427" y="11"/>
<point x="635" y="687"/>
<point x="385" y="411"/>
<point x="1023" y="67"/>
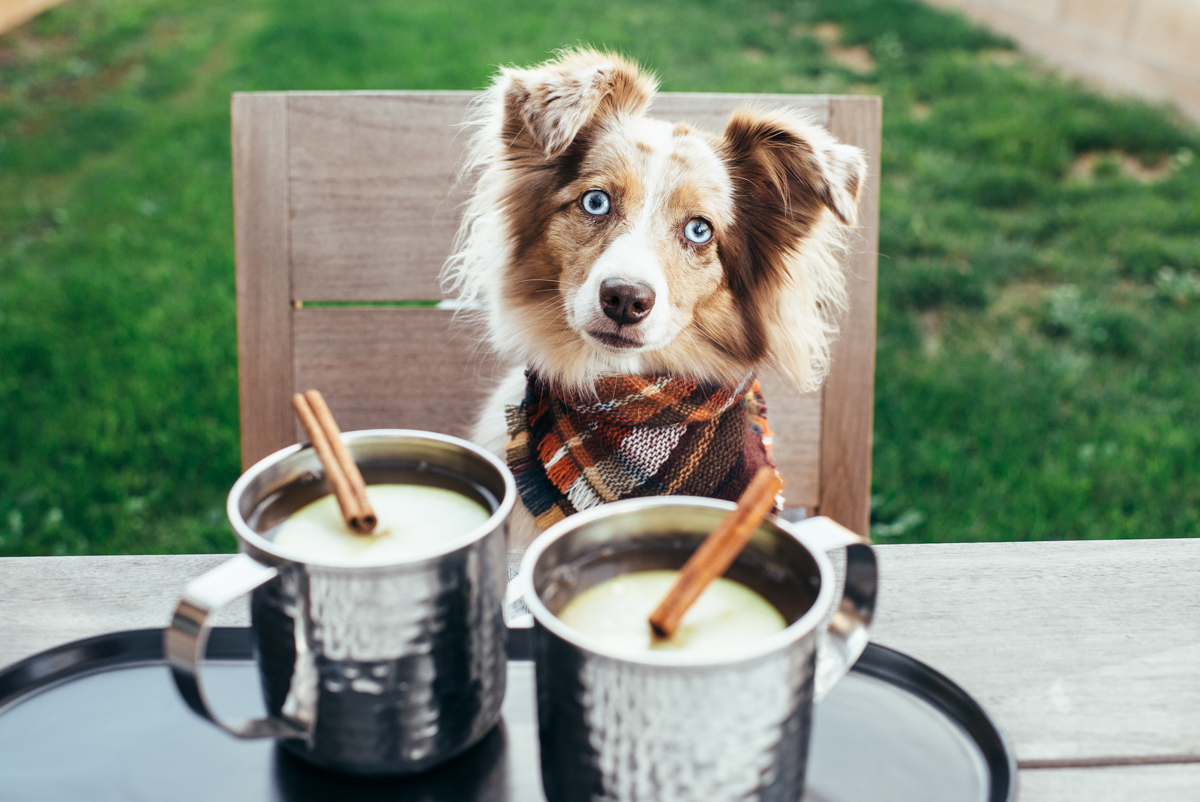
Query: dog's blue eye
<point x="596" y="202"/>
<point x="698" y="230"/>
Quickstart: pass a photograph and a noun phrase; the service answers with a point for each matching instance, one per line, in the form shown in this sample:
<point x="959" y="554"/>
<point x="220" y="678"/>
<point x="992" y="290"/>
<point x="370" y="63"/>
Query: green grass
<point x="1039" y="319"/>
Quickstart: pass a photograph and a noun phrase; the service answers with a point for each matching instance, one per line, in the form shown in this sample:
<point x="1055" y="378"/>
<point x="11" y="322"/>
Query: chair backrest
<point x="345" y="206"/>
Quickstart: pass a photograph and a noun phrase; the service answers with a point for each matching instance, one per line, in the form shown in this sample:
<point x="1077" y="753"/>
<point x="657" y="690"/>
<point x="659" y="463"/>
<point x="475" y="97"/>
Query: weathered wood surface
<point x="1127" y="783"/>
<point x="709" y="111"/>
<point x="425" y="369"/>
<point x="375" y="204"/>
<point x="1085" y="652"/>
<point x="795" y="421"/>
<point x="48" y="601"/>
<point x="264" y="299"/>
<point x="850" y="387"/>
<point x="395" y="367"/>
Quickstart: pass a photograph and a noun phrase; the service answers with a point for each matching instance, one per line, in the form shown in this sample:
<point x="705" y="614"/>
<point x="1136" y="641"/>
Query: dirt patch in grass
<point x="829" y="33"/>
<point x="856" y="58"/>
<point x="1089" y="166"/>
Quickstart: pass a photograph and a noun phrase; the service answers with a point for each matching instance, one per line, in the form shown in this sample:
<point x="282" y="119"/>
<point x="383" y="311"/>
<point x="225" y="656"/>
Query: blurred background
<point x="1038" y="367"/>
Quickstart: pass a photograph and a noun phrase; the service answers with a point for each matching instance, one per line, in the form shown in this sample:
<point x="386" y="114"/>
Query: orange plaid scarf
<point x="636" y="436"/>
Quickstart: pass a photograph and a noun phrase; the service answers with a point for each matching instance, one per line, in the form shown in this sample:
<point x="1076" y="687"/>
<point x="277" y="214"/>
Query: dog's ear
<point x="545" y="107"/>
<point x="785" y="166"/>
<point x="780" y="253"/>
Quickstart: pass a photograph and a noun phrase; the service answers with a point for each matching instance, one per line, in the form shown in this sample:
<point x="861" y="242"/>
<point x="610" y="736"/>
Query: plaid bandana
<point x="636" y="436"/>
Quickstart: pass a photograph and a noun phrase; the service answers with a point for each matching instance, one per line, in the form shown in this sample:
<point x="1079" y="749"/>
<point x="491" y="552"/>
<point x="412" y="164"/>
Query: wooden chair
<point x="345" y="204"/>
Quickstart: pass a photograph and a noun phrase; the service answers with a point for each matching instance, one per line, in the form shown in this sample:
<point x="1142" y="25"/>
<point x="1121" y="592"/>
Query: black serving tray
<point x="100" y="719"/>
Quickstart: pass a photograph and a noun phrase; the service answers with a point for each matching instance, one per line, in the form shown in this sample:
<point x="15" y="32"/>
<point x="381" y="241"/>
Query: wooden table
<point x="1088" y="653"/>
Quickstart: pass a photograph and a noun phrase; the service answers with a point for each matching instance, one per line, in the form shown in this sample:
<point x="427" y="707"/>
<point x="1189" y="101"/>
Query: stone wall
<point x="1149" y="48"/>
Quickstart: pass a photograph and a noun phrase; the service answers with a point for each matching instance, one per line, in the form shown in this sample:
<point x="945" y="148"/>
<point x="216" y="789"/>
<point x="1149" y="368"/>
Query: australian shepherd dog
<point x="643" y="270"/>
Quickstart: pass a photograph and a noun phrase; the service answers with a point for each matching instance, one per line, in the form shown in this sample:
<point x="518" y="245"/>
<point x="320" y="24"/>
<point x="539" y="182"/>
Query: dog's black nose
<point x="626" y="302"/>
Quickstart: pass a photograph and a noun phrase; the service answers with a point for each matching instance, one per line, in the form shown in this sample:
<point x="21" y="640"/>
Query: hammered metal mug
<point x="662" y="725"/>
<point x="373" y="669"/>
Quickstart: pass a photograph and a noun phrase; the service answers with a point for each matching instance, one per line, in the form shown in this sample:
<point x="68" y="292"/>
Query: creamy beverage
<point x="413" y="519"/>
<point x="726" y="615"/>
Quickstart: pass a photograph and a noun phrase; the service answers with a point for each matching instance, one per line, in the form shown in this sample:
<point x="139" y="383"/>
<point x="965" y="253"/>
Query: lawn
<point x="1039" y="320"/>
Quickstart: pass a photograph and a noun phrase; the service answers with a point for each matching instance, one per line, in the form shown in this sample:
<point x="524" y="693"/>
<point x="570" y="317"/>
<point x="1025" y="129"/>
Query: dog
<point x="634" y="268"/>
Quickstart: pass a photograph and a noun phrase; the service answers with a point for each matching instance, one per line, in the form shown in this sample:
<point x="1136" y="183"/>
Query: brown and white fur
<point x="578" y="295"/>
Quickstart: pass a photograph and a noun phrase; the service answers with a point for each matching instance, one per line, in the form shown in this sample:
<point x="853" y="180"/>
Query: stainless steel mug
<point x="662" y="725"/>
<point x="379" y="669"/>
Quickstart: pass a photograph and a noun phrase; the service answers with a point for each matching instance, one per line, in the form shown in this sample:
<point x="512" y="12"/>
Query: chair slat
<point x="395" y="367"/>
<point x="795" y="421"/>
<point x="264" y="310"/>
<point x="849" y="389"/>
<point x="373" y="194"/>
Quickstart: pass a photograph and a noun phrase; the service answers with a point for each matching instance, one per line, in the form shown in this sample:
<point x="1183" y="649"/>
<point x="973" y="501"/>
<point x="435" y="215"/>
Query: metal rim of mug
<point x="252" y="538"/>
<point x="769" y="645"/>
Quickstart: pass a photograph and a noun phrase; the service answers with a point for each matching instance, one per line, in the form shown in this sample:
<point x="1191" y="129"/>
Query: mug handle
<point x="847" y="635"/>
<point x="186" y="639"/>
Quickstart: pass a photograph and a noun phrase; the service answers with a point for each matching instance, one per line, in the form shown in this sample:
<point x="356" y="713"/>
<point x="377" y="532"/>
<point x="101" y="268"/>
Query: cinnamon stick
<point x="341" y="472"/>
<point x="717" y="552"/>
<point x="347" y="463"/>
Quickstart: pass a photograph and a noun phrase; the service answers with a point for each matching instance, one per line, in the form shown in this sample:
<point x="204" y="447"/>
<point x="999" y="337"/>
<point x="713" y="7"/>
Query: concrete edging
<point x="18" y="12"/>
<point x="1148" y="48"/>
